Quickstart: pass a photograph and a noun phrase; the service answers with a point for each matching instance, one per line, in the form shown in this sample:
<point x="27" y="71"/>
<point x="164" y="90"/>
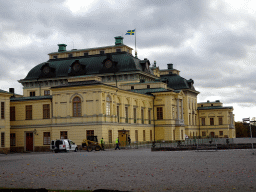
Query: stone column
<point x="178" y="110"/>
<point x="182" y="109"/>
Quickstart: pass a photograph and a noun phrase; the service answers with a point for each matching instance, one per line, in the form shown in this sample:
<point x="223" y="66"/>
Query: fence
<point x="163" y="143"/>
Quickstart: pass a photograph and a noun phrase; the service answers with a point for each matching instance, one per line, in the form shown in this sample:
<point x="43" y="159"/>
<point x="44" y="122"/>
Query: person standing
<point x="129" y="140"/>
<point x="117" y="143"/>
<point x="102" y="144"/>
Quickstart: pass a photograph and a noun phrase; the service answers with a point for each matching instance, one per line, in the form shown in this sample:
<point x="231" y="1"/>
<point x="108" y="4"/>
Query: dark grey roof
<point x="30" y="98"/>
<point x="2" y="91"/>
<point x="149" y="91"/>
<point x="177" y="82"/>
<point x="214" y="107"/>
<point x="93" y="65"/>
<point x="81" y="83"/>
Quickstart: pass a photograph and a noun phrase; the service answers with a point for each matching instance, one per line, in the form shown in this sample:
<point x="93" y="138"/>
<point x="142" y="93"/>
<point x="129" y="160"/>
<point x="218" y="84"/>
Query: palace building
<point x="109" y="93"/>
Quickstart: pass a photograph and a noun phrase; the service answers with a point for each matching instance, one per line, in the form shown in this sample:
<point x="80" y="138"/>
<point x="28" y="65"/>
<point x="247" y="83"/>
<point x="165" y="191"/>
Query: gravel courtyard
<point x="131" y="170"/>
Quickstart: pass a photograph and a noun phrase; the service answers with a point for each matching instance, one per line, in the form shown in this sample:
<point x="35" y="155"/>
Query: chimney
<point x="62" y="47"/>
<point x="119" y="40"/>
<point x="170" y="66"/>
<point x="11" y="90"/>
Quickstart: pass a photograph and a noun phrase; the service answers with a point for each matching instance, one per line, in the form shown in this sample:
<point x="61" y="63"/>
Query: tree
<point x="242" y="130"/>
<point x="253" y="119"/>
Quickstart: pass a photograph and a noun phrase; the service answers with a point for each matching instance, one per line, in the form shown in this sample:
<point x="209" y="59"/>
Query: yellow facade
<point x="216" y="120"/>
<point x="108" y="95"/>
<point x="5" y="121"/>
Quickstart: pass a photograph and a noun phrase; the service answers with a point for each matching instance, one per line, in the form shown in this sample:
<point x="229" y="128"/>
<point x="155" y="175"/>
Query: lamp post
<point x="245" y="121"/>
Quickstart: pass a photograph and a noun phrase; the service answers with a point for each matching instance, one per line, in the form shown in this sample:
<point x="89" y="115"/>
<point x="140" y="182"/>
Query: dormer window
<point x="86" y="54"/>
<point x="102" y="52"/>
<point x="32" y="93"/>
<point x="118" y="50"/>
<point x="55" y="56"/>
<point x="70" y="55"/>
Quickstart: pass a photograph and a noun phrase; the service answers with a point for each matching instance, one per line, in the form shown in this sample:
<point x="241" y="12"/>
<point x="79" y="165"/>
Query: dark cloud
<point x="206" y="43"/>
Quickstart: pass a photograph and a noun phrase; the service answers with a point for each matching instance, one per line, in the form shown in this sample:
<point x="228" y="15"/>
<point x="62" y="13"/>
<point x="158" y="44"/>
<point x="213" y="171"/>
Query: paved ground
<point x="132" y="170"/>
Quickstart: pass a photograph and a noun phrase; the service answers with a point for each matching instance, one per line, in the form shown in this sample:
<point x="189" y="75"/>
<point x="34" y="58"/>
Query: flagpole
<point x="135" y="43"/>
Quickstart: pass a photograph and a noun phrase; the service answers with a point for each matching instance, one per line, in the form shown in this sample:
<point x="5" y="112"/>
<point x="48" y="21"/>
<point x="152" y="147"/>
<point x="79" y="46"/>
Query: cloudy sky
<point x="213" y="42"/>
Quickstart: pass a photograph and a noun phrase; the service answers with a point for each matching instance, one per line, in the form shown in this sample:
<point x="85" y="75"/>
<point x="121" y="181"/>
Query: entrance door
<point x="29" y="141"/>
<point x="123" y="137"/>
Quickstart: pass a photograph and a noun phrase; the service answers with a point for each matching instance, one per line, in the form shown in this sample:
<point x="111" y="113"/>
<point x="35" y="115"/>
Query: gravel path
<point x="132" y="170"/>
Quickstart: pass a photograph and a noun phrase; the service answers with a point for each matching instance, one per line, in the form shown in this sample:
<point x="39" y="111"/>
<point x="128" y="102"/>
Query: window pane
<point x="77" y="111"/>
<point x="28" y="112"/>
<point x="2" y="140"/>
<point x="12" y="139"/>
<point x="12" y="113"/>
<point x="2" y="110"/>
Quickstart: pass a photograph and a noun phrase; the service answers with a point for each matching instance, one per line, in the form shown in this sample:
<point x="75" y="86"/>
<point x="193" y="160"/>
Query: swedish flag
<point x="130" y="32"/>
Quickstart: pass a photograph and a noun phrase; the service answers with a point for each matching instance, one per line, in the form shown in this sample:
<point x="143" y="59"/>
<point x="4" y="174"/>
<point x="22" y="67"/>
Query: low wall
<point x="206" y="147"/>
<point x="5" y="150"/>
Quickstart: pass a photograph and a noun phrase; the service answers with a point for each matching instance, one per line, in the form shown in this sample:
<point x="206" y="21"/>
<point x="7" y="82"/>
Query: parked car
<point x="63" y="145"/>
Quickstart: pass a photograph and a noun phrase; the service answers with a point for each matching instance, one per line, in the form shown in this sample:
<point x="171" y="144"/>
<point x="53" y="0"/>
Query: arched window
<point x="77" y="107"/>
<point x="108" y="106"/>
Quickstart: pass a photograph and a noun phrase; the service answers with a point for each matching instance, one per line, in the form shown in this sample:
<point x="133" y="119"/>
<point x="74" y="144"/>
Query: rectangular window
<point x="2" y="110"/>
<point x="149" y="116"/>
<point x="12" y="139"/>
<point x="189" y="118"/>
<point x="211" y="121"/>
<point x="63" y="135"/>
<point x="28" y="112"/>
<point x="173" y="132"/>
<point x="142" y="116"/>
<point x="151" y="135"/>
<point x="90" y="133"/>
<point x="118" y="50"/>
<point x="46" y="92"/>
<point x="203" y="133"/>
<point x="159" y="113"/>
<point x="102" y="52"/>
<point x="55" y="56"/>
<point x="2" y="140"/>
<point x="220" y="121"/>
<point x="47" y="138"/>
<point x="220" y="133"/>
<point x="134" y="115"/>
<point x="12" y="113"/>
<point x="148" y="86"/>
<point x="46" y="111"/>
<point x="132" y="87"/>
<point x="32" y="93"/>
<point x="126" y="114"/>
<point x="70" y="55"/>
<point x="110" y="136"/>
<point x="86" y="54"/>
<point x="181" y="134"/>
<point x="118" y="116"/>
<point x="144" y="135"/>
<point x="136" y="135"/>
<point x="203" y="121"/>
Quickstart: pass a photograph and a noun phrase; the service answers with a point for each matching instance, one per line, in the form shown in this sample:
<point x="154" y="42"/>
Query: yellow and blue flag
<point x="130" y="32"/>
